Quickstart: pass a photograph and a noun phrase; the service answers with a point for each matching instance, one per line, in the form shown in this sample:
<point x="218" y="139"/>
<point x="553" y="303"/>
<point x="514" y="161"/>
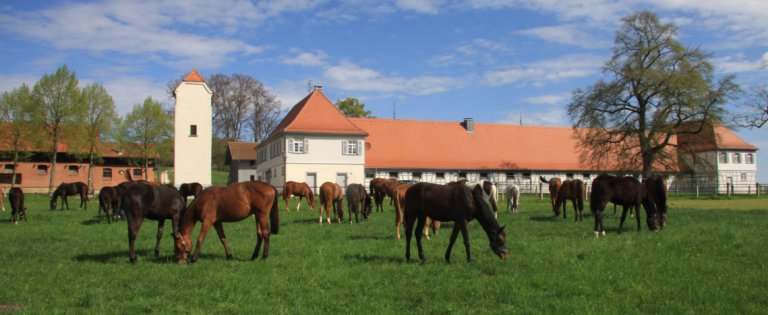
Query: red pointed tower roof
<point x="193" y="76"/>
<point x="316" y="114"/>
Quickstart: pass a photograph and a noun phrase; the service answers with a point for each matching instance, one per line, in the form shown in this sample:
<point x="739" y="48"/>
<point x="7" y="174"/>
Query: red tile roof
<point x="316" y="114"/>
<point x="242" y="151"/>
<point x="193" y="76"/>
<point x="716" y="137"/>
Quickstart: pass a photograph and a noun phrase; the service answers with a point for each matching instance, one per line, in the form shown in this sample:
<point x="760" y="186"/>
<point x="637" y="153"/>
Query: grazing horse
<point x="108" y="199"/>
<point x="2" y="198"/>
<point x="456" y="203"/>
<point x="400" y="192"/>
<point x="69" y="189"/>
<point x="575" y="191"/>
<point x="488" y="191"/>
<point x="657" y="188"/>
<point x="512" y="194"/>
<point x="190" y="189"/>
<point x="623" y="191"/>
<point x="331" y="196"/>
<point x="554" y="187"/>
<point x="358" y="201"/>
<point x="152" y="201"/>
<point x="18" y="211"/>
<point x="232" y="203"/>
<point x="301" y="190"/>
<point x="377" y="191"/>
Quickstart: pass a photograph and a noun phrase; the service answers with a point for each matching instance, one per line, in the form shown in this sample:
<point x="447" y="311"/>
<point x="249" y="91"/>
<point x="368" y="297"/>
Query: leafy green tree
<point x="655" y="89"/>
<point x="97" y="119"/>
<point x="55" y="99"/>
<point x="15" y="110"/>
<point x="351" y="107"/>
<point x="149" y="127"/>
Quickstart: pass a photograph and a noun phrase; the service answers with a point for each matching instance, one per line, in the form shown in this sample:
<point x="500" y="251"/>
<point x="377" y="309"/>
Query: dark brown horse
<point x="2" y="198"/>
<point x="18" y="211"/>
<point x="152" y="201"/>
<point x="554" y="187"/>
<point x="70" y="189"/>
<point x="575" y="191"/>
<point x="657" y="188"/>
<point x="190" y="189"/>
<point x="624" y="191"/>
<point x="232" y="203"/>
<point x="301" y="190"/>
<point x="331" y="197"/>
<point x="109" y="202"/>
<point x="455" y="203"/>
<point x="358" y="201"/>
<point x="377" y="191"/>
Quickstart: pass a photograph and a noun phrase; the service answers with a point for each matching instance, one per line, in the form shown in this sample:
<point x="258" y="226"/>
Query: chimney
<point x="469" y="124"/>
<point x="319" y="87"/>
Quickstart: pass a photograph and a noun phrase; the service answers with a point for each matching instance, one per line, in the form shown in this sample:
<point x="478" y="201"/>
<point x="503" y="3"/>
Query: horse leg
<point x="160" y="225"/>
<point x="223" y="238"/>
<point x="598" y="222"/>
<point x="623" y="216"/>
<point x="200" y="238"/>
<point x="419" y="227"/>
<point x="262" y="233"/>
<point x="465" y="236"/>
<point x="637" y="216"/>
<point x="408" y="234"/>
<point x="454" y="234"/>
<point x="134" y="224"/>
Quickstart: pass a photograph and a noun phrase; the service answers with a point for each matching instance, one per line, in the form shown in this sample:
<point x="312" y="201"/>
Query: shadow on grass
<point x="122" y="256"/>
<point x="369" y="237"/>
<point x="95" y="221"/>
<point x="361" y="258"/>
<point x="306" y="221"/>
<point x="545" y="218"/>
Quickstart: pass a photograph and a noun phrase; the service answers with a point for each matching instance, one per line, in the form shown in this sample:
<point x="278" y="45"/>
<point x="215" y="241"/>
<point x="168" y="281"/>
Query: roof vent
<point x="318" y="87"/>
<point x="469" y="124"/>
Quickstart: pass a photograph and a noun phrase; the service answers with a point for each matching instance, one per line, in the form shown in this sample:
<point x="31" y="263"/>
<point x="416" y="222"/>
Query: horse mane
<point x="484" y="214"/>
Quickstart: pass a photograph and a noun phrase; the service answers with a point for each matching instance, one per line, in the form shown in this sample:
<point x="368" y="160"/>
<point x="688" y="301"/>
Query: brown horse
<point x="657" y="188"/>
<point x="302" y="190"/>
<point x="623" y="191"/>
<point x="400" y="191"/>
<point x="575" y="191"/>
<point x="2" y="198"/>
<point x="358" y="201"/>
<point x="18" y="211"/>
<point x="190" y="189"/>
<point x="377" y="191"/>
<point x="331" y="196"/>
<point x="554" y="187"/>
<point x="152" y="201"/>
<point x="108" y="199"/>
<point x="456" y="203"/>
<point x="232" y="203"/>
<point x="69" y="189"/>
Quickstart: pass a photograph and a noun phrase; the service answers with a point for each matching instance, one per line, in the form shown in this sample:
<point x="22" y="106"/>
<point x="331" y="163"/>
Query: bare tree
<point x="264" y="114"/>
<point x="756" y="114"/>
<point x="658" y="89"/>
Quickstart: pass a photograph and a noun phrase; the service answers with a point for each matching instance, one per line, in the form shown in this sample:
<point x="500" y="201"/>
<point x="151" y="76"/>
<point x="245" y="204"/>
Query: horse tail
<point x="274" y="216"/>
<point x="661" y="199"/>
<point x="580" y="195"/>
<point x="543" y="180"/>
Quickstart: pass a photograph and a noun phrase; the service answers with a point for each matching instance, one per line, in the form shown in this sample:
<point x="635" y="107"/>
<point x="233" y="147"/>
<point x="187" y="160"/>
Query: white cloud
<point x="10" y="82"/>
<point x="737" y="64"/>
<point x="128" y="91"/>
<point x="569" y="34"/>
<point x="349" y="76"/>
<point x="553" y="99"/>
<point x="314" y="59"/>
<point x="547" y="116"/>
<point x="572" y="66"/>
<point x="420" y="6"/>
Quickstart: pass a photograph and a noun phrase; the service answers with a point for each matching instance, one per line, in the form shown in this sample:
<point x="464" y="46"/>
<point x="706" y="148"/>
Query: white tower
<point x="193" y="131"/>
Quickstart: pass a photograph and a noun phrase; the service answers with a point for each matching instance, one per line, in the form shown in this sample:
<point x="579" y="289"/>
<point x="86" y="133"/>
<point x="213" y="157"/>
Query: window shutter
<point x="343" y="147"/>
<point x="360" y="147"/>
<point x="290" y="145"/>
<point x="306" y="145"/>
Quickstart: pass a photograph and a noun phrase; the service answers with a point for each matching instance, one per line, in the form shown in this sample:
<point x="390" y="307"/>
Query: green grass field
<point x="710" y="259"/>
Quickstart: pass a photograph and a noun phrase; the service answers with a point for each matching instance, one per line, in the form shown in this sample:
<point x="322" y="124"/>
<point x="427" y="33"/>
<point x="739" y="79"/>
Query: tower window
<point x="193" y="130"/>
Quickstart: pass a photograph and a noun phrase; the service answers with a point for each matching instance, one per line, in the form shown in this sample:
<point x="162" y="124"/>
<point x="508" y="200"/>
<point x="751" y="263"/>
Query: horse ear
<point x="501" y="229"/>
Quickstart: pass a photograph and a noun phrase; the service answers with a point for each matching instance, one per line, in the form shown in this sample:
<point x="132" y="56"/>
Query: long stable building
<point x="315" y="143"/>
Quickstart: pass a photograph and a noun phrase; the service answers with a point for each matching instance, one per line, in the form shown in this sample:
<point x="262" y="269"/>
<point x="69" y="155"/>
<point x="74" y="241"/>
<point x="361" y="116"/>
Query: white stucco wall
<point x="192" y="154"/>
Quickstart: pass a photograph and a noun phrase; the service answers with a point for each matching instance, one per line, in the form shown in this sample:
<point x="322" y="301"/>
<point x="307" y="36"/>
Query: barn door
<point x="341" y="180"/>
<point x="311" y="180"/>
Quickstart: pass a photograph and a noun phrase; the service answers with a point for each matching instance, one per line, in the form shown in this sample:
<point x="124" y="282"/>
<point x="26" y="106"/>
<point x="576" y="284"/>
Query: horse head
<point x="499" y="244"/>
<point x="53" y="200"/>
<point x="367" y="206"/>
<point x="182" y="247"/>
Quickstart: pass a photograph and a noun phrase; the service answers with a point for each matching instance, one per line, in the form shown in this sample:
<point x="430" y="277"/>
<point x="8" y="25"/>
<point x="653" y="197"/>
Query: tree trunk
<point x="90" y="172"/>
<point x="15" y="161"/>
<point x="54" y="151"/>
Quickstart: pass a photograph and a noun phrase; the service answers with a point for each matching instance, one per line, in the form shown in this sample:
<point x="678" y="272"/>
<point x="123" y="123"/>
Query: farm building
<point x="356" y="150"/>
<point x="193" y="130"/>
<point x="241" y="158"/>
<point x="33" y="174"/>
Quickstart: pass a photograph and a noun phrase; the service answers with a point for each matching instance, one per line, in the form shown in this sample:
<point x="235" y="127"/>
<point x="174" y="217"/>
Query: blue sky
<point x="498" y="61"/>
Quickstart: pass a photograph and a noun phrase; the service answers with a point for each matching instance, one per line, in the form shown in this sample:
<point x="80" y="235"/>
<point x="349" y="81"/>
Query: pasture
<point x="710" y="259"/>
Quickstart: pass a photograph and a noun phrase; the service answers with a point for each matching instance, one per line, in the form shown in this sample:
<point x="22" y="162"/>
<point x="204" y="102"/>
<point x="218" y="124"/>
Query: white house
<point x="314" y="143"/>
<point x="193" y="131"/>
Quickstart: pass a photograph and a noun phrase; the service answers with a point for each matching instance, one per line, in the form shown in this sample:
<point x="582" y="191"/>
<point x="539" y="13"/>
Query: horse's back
<point x="438" y="201"/>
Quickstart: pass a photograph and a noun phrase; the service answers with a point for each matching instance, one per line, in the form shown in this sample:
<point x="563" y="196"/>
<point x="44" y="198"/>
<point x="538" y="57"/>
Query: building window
<point x="440" y="175"/>
<point x="106" y="174"/>
<point x="463" y="175"/>
<point x="586" y="175"/>
<point x="737" y="158"/>
<point x="252" y="177"/>
<point x="743" y="177"/>
<point x="42" y="169"/>
<point x="261" y="155"/>
<point x="393" y="175"/>
<point x="368" y="175"/>
<point x="749" y="158"/>
<point x="417" y="176"/>
<point x="527" y="175"/>
<point x="569" y="175"/>
<point x="136" y="172"/>
<point x="510" y="176"/>
<point x="9" y="168"/>
<point x="72" y="170"/>
<point x="252" y="162"/>
<point x="723" y="157"/>
<point x="350" y="147"/>
<point x="483" y="176"/>
<point x="298" y="145"/>
<point x="193" y="130"/>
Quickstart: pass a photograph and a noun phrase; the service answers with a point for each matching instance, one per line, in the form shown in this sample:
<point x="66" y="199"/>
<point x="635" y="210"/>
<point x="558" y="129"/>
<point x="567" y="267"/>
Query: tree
<point x="656" y="89"/>
<point x="55" y="99"/>
<point x="264" y="114"/>
<point x="757" y="109"/>
<point x="147" y="126"/>
<point x="15" y="109"/>
<point x="96" y="118"/>
<point x="351" y="107"/>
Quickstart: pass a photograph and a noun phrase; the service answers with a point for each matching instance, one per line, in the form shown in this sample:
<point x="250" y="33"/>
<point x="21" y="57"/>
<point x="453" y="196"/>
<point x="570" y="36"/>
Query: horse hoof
<point x="603" y="233"/>
<point x="597" y="234"/>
